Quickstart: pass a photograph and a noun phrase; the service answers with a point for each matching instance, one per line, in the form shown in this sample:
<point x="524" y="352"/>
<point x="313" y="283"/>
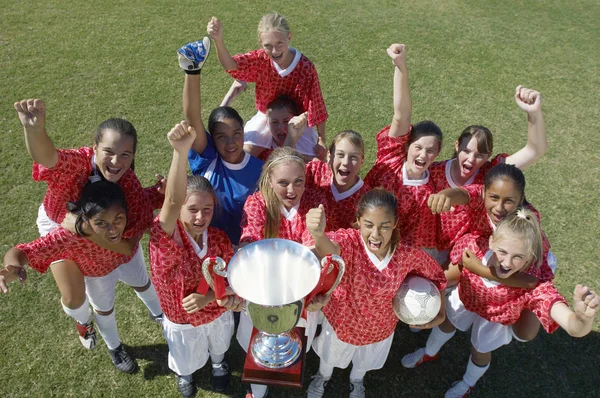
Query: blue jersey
<point x="232" y="183"/>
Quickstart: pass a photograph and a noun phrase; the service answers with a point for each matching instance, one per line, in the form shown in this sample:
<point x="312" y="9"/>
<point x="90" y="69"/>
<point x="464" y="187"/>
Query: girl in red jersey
<point x="404" y="153"/>
<point x="101" y="217"/>
<point x="195" y="326"/>
<point x="490" y="308"/>
<point x="276" y="69"/>
<point x="278" y="210"/>
<point x="66" y="172"/>
<point x="358" y="325"/>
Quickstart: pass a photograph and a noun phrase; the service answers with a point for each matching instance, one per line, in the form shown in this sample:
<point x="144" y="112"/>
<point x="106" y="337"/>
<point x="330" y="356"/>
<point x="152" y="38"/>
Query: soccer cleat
<point x="186" y="386"/>
<point x="220" y="376"/>
<point x="357" y="389"/>
<point x="156" y="318"/>
<point x="459" y="389"/>
<point x="416" y="358"/>
<point x="250" y="395"/>
<point x="317" y="386"/>
<point x="87" y="334"/>
<point x="122" y="360"/>
<point x="193" y="55"/>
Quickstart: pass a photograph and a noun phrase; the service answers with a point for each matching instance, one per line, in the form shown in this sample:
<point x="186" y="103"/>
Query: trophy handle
<point x="327" y="266"/>
<point x="219" y="267"/>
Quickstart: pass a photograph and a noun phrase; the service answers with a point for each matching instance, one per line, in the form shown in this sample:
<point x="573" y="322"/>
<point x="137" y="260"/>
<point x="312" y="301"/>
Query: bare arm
<point x="531" y="102"/>
<point x="14" y="261"/>
<point x="215" y="31"/>
<point x="237" y="87"/>
<point x="32" y="113"/>
<point x="402" y="102"/>
<point x="315" y="224"/>
<point x="577" y="323"/>
<point x="446" y="199"/>
<point x="473" y="264"/>
<point x="181" y="138"/>
<point x="192" y="110"/>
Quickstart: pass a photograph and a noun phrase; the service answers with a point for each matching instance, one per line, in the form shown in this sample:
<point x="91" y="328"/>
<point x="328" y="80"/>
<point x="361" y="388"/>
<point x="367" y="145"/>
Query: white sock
<point x="150" y="298"/>
<point x="357" y="375"/>
<point x="216" y="358"/>
<point x="325" y="369"/>
<point x="437" y="338"/>
<point x="107" y="326"/>
<point x="82" y="314"/>
<point x="474" y="372"/>
<point x="258" y="390"/>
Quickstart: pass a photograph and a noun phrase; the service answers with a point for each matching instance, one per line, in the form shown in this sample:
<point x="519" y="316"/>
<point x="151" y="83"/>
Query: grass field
<point x="95" y="60"/>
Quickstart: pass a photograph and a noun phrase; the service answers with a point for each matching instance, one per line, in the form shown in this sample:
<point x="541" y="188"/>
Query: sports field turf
<point x="95" y="60"/>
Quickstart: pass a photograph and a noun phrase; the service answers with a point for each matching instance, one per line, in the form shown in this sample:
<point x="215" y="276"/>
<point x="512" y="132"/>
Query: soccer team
<point x="463" y="223"/>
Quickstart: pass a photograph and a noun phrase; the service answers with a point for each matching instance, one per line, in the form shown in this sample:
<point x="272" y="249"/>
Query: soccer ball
<point x="417" y="302"/>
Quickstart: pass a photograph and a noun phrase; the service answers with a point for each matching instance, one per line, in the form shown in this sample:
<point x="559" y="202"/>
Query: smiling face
<point x="197" y="212"/>
<point x="376" y="228"/>
<point x="345" y="164"/>
<point x="228" y="136"/>
<point x="421" y="153"/>
<point x="276" y="46"/>
<point x="512" y="252"/>
<point x="109" y="224"/>
<point x="501" y="198"/>
<point x="114" y="154"/>
<point x="469" y="159"/>
<point x="278" y="120"/>
<point x="287" y="180"/>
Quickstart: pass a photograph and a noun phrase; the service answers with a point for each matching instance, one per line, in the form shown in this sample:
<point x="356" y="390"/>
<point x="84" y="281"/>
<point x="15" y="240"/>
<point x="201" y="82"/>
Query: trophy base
<point x="291" y="376"/>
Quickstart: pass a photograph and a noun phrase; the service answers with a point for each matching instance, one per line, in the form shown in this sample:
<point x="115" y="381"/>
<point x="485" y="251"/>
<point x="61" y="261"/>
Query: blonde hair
<point x="524" y="224"/>
<point x="273" y="22"/>
<point x="352" y="136"/>
<point x="272" y="201"/>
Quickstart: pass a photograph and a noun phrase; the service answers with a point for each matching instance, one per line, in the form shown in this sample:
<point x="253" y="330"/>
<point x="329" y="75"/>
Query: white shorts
<point x="339" y="354"/>
<point x="257" y="132"/>
<point x="101" y="289"/>
<point x="44" y="223"/>
<point x="486" y="336"/>
<point x="190" y="346"/>
<point x="244" y="330"/>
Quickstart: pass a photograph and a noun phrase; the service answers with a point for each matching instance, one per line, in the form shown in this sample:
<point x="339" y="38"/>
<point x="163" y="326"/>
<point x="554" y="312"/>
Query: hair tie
<point x="522" y="214"/>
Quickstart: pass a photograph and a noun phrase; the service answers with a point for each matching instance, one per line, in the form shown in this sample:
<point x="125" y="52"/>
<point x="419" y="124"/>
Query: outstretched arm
<point x="237" y="87"/>
<point x="181" y="138"/>
<point x="192" y="110"/>
<point x="32" y="113"/>
<point x="402" y="103"/>
<point x="579" y="322"/>
<point x="14" y="261"/>
<point x="446" y="199"/>
<point x="215" y="31"/>
<point x="531" y="102"/>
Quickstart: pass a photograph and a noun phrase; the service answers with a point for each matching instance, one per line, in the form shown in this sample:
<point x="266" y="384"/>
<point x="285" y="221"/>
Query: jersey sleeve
<point x="254" y="217"/>
<point x="391" y="155"/>
<point x="45" y="250"/>
<point x="317" y="112"/>
<point x="540" y="301"/>
<point x="154" y="198"/>
<point x="70" y="161"/>
<point x="248" y="66"/>
<point x="424" y="265"/>
<point x="165" y="253"/>
<point x="496" y="160"/>
<point x="478" y="245"/>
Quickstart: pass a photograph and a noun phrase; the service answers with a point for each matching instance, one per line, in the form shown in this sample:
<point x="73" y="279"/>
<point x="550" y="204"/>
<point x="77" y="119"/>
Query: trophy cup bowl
<point x="274" y="276"/>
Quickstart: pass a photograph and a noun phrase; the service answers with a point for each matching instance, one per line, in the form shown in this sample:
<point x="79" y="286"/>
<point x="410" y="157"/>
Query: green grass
<point x="91" y="61"/>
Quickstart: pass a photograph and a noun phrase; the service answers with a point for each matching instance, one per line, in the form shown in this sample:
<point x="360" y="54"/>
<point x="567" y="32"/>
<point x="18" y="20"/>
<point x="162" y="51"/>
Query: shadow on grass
<point x="156" y="355"/>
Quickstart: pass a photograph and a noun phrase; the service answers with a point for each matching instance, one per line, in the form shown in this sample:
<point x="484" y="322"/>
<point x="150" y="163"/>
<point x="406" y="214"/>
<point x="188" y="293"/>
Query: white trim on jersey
<point x="291" y="67"/>
<point x="237" y="166"/>
<point x="210" y="169"/>
<point x="414" y="183"/>
<point x="341" y="196"/>
<point x="289" y="215"/>
<point x="199" y="252"/>
<point x="449" y="175"/>
<point x="379" y="264"/>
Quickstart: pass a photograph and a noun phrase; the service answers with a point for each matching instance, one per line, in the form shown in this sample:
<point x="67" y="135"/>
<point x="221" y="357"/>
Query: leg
<point x="452" y="275"/>
<point x="527" y="327"/>
<point x="135" y="274"/>
<point x="70" y="283"/>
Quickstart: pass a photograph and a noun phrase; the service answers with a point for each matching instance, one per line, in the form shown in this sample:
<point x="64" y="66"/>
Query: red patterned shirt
<point x="302" y="84"/>
<point x="360" y="310"/>
<point x="418" y="226"/>
<point x="503" y="304"/>
<point x="61" y="244"/>
<point x="66" y="180"/>
<point x="341" y="206"/>
<point x="292" y="227"/>
<point x="177" y="270"/>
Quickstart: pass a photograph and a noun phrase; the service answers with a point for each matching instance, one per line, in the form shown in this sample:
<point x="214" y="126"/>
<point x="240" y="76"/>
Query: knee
<point x="527" y="327"/>
<point x="104" y="313"/>
<point x="142" y="288"/>
<point x="73" y="300"/>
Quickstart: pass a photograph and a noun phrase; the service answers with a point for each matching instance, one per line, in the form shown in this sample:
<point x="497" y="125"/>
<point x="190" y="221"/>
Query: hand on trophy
<point x="318" y="302"/>
<point x="232" y="302"/>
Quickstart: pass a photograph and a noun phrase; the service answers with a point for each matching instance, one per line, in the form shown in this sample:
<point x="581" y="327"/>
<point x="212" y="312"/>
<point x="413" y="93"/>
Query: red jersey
<point x="292" y="224"/>
<point x="177" y="270"/>
<point x="61" y="244"/>
<point x="418" y="226"/>
<point x="301" y="84"/>
<point x="503" y="304"/>
<point x="360" y="310"/>
<point x="72" y="171"/>
<point x="341" y="206"/>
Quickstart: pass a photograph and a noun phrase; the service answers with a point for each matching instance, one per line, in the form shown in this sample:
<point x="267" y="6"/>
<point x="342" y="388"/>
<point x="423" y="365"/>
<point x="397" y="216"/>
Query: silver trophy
<point x="274" y="277"/>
